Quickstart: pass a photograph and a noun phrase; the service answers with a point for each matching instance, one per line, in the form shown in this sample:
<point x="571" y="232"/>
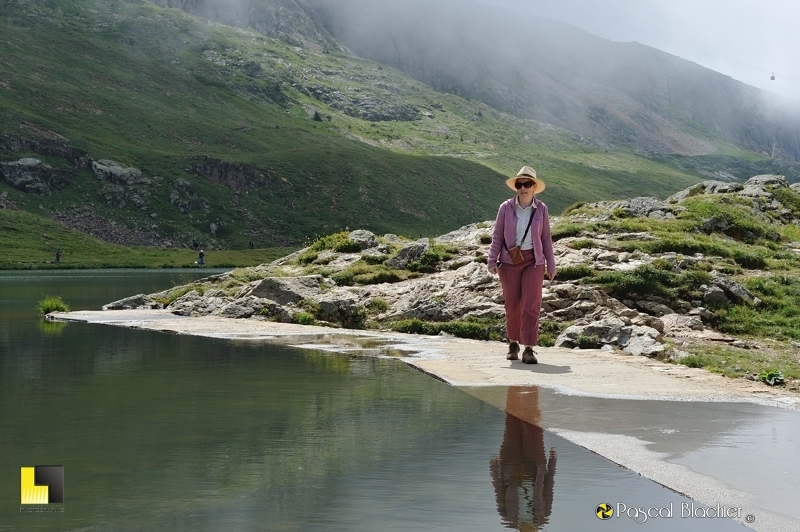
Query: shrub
<point x="343" y="278"/>
<point x="694" y="361"/>
<point x="583" y="243"/>
<point x="565" y="230"/>
<point x="339" y="242"/>
<point x="378" y="305"/>
<point x="374" y="259"/>
<point x="547" y="340"/>
<point x="304" y="318"/>
<point x="771" y="377"/>
<point x="52" y="304"/>
<point x="429" y="261"/>
<point x="307" y="257"/>
<point x="575" y="206"/>
<point x="378" y="277"/>
<point x="485" y="238"/>
<point x="577" y="271"/>
<point x="461" y="329"/>
<point x="643" y="281"/>
<point x="588" y="342"/>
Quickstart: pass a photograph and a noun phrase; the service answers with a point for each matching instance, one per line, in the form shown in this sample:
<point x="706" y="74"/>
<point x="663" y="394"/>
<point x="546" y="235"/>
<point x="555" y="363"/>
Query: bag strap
<point x="526" y="230"/>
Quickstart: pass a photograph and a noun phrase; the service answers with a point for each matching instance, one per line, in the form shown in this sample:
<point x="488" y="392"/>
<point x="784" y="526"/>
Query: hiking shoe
<point x="529" y="357"/>
<point x="513" y="351"/>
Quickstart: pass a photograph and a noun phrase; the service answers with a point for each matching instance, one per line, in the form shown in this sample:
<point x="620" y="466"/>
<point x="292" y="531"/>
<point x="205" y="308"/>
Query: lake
<point x="165" y="432"/>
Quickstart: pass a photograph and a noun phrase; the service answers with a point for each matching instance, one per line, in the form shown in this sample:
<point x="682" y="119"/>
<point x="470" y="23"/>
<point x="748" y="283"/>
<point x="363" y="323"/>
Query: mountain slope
<point x="242" y="137"/>
<point x="553" y="72"/>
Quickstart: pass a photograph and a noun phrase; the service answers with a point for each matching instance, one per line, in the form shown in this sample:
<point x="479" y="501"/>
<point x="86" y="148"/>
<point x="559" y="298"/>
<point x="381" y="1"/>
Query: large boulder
<point x="364" y="239"/>
<point x="114" y="172"/>
<point x="761" y="185"/>
<point x="706" y="187"/>
<point x="284" y="290"/>
<point x="645" y="207"/>
<point x="409" y="254"/>
<point x="733" y="290"/>
<point x="32" y="176"/>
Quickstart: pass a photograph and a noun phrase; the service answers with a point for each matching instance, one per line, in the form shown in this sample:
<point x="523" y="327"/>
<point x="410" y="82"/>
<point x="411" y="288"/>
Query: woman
<point x="521" y="248"/>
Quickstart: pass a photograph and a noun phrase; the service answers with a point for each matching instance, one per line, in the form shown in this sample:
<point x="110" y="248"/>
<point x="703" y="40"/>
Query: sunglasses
<point x="519" y="184"/>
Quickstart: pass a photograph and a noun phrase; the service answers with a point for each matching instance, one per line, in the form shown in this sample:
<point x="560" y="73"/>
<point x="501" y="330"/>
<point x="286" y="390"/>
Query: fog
<point x="744" y="39"/>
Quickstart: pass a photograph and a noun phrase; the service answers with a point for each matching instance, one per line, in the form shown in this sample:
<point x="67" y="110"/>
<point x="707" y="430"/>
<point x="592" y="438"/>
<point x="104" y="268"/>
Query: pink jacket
<point x="505" y="226"/>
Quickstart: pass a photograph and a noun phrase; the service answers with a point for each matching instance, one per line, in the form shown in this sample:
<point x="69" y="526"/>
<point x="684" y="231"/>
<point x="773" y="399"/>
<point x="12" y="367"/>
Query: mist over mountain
<point x="229" y="121"/>
<point x="621" y="93"/>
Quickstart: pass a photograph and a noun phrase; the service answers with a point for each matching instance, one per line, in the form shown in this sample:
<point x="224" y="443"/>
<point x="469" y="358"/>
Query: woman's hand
<point x="493" y="269"/>
<point x="551" y="276"/>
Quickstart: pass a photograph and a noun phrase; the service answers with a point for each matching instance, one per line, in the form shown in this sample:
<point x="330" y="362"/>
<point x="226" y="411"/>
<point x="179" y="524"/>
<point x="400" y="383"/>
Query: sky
<point x="745" y="39"/>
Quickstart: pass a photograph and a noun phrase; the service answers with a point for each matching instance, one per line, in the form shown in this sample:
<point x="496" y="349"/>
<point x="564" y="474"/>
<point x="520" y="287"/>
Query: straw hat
<point x="526" y="172"/>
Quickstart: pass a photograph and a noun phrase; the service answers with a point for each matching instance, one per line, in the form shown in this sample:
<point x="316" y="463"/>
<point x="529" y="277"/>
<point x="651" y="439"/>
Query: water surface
<point x="166" y="432"/>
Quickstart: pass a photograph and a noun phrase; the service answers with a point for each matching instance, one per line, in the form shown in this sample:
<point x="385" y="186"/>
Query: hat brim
<point x="538" y="184"/>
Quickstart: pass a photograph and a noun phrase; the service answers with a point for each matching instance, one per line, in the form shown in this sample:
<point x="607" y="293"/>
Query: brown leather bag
<point x="516" y="254"/>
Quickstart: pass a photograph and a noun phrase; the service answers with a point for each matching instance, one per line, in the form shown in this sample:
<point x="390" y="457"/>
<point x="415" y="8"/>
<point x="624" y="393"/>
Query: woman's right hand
<point x="493" y="269"/>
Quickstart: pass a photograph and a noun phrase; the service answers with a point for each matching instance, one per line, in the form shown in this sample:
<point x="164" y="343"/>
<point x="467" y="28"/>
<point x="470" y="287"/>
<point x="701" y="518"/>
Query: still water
<point x="165" y="432"/>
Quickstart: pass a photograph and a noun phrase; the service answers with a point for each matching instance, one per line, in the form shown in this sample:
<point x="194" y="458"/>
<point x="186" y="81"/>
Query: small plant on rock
<point x="52" y="304"/>
<point x="771" y="377"/>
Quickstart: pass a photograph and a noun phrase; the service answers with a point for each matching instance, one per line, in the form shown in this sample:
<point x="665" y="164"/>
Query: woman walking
<point x="521" y="249"/>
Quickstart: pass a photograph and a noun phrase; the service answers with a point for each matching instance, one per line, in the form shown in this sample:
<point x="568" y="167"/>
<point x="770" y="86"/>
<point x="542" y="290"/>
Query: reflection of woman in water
<point x="522" y="476"/>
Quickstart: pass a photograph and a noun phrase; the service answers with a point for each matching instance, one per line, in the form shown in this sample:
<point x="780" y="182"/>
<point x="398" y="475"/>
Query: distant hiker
<point x="201" y="258"/>
<point x="252" y="245"/>
<point x="521" y="248"/>
<point x="58" y="256"/>
<point x="195" y="245"/>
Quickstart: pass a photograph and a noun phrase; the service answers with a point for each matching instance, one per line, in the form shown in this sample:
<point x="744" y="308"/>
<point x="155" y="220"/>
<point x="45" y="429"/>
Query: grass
<point x="735" y="363"/>
<point x="461" y="329"/>
<point x="30" y="242"/>
<point x="52" y="304"/>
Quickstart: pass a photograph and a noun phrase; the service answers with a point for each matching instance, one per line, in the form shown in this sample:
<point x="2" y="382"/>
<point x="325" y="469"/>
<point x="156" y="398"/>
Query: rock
<point x="645" y="207"/>
<point x="651" y="307"/>
<point x="706" y="187"/>
<point x="714" y="296"/>
<point x="676" y="355"/>
<point x="392" y="238"/>
<point x="608" y="256"/>
<point x="108" y="170"/>
<point x="364" y="239"/>
<point x="32" y="176"/>
<point x="679" y="323"/>
<point x="704" y="314"/>
<point x="644" y="345"/>
<point x="284" y="290"/>
<point x="139" y="301"/>
<point x="409" y="253"/>
<point x="734" y="291"/>
<point x="758" y="185"/>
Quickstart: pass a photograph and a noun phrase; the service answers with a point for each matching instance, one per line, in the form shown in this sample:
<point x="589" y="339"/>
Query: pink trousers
<point x="522" y="289"/>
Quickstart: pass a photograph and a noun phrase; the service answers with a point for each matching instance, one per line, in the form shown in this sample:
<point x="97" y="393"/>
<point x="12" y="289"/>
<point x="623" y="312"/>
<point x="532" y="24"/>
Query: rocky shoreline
<point x="366" y="281"/>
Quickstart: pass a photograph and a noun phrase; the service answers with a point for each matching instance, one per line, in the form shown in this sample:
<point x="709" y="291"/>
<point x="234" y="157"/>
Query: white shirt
<point x="523" y="215"/>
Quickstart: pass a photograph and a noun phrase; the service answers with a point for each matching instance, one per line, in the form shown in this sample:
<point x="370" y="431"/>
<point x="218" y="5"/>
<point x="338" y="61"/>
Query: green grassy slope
<point x="29" y="241"/>
<point x="156" y="89"/>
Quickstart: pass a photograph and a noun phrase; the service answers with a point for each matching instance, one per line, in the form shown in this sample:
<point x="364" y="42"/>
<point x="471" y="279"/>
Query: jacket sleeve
<point x="547" y="243"/>
<point x="497" y="236"/>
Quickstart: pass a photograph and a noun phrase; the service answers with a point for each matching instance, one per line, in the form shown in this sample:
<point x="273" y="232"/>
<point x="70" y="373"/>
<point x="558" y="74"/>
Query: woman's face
<point x="525" y="192"/>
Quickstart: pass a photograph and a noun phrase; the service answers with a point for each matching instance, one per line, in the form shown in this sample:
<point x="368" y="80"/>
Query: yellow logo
<point x="42" y="485"/>
<point x="604" y="511"/>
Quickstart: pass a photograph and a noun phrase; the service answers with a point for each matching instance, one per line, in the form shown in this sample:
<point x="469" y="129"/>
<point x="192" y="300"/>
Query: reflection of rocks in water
<point x="522" y="475"/>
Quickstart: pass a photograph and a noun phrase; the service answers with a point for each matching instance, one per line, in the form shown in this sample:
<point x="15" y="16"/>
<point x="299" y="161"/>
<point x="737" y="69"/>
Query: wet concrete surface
<point x="734" y="454"/>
